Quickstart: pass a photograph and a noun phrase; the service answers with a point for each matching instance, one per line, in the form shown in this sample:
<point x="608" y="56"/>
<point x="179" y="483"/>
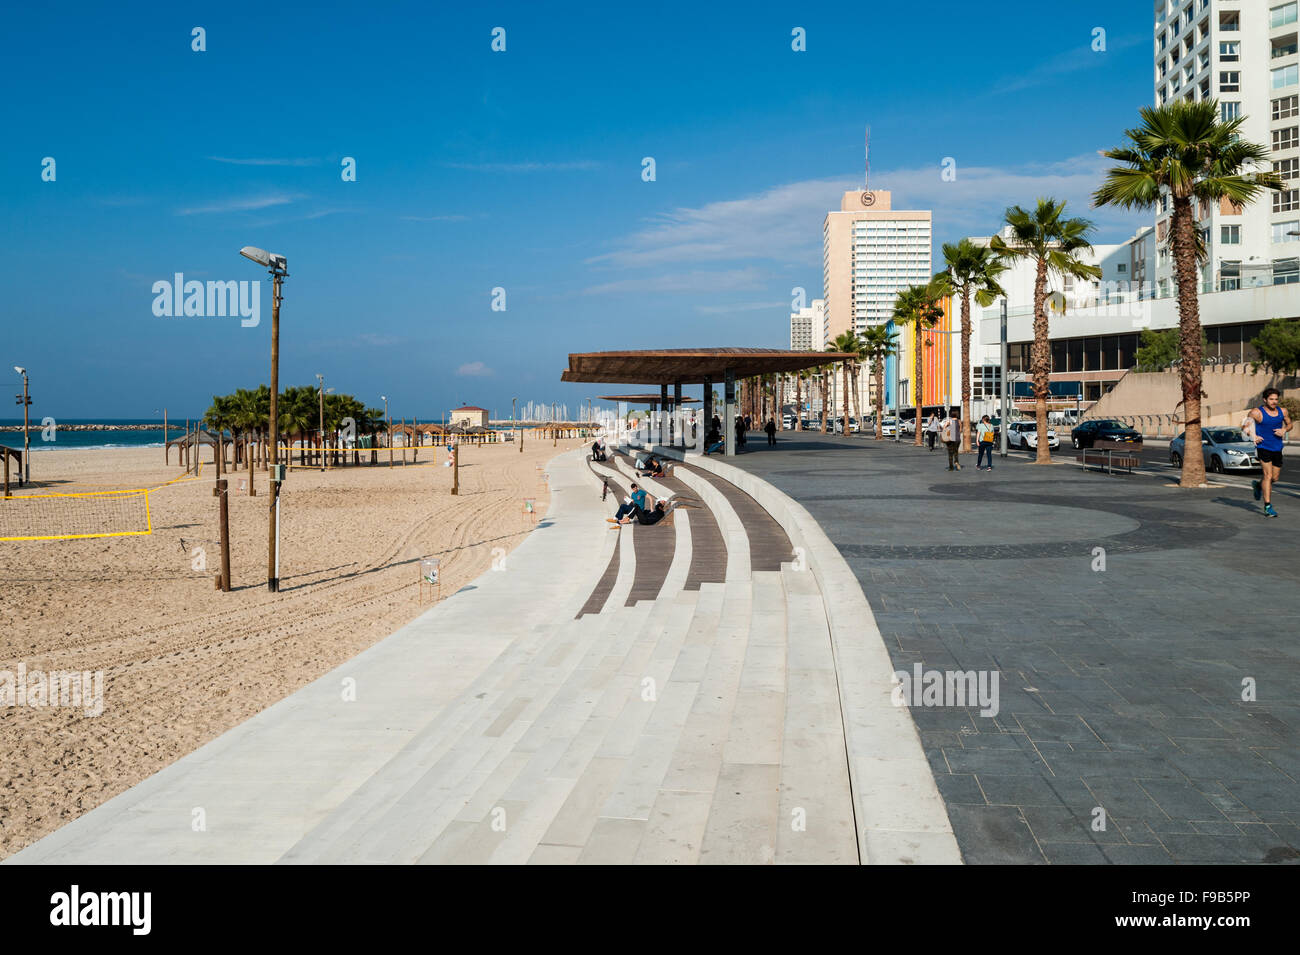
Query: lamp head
<point x="270" y="260"/>
<point x="21" y="371"/>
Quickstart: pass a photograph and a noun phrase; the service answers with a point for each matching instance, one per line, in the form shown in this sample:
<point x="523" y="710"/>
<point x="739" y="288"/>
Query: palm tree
<point x="919" y="307"/>
<point x="1184" y="151"/>
<point x="878" y="343"/>
<point x="247" y="415"/>
<point x="845" y="342"/>
<point x="973" y="270"/>
<point x="1055" y="244"/>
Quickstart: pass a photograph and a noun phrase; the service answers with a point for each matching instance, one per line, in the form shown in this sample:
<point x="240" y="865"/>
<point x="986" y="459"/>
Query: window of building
<point x="1229" y="111"/>
<point x="1288" y="200"/>
<point x="1288" y="231"/>
<point x="1286" y="271"/>
<point x="1287" y="168"/>
<point x="1287" y="138"/>
<point x="1283" y="46"/>
<point x="1286" y="107"/>
<point x="1229" y="21"/>
<point x="1230" y="81"/>
<point x="1230" y="51"/>
<point x="1285" y="76"/>
<point x="1229" y="275"/>
<point x="1230" y="234"/>
<point x="1121" y="267"/>
<point x="1280" y="16"/>
<point x="1162" y="287"/>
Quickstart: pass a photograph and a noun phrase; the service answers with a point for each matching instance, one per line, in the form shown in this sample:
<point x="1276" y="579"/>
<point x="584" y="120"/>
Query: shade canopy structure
<point x="690" y="366"/>
<point x="646" y="399"/>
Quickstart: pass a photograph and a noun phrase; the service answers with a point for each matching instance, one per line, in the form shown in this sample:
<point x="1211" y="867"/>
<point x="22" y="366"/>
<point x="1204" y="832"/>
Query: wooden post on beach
<point x="6" y="457"/>
<point x="404" y="442"/>
<point x="415" y="431"/>
<point x="223" y="519"/>
<point x="165" y="435"/>
<point x="455" y="466"/>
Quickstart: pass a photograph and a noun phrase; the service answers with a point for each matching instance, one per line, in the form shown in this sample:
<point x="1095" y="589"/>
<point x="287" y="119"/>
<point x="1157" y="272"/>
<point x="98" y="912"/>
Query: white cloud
<point x="266" y="162"/>
<point x="474" y="369"/>
<point x="784" y="224"/>
<point x="699" y="281"/>
<point x="1073" y="60"/>
<point x="743" y="307"/>
<point x="524" y="166"/>
<point x="240" y="205"/>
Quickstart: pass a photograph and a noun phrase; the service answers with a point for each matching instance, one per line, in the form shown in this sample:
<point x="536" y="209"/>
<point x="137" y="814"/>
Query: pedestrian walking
<point x="740" y="433"/>
<point x="1271" y="426"/>
<point x="770" y="428"/>
<point x="951" y="434"/>
<point x="932" y="430"/>
<point x="984" y="433"/>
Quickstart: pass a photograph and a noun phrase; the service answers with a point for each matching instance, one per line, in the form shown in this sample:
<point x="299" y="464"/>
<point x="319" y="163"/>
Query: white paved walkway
<point x="703" y="726"/>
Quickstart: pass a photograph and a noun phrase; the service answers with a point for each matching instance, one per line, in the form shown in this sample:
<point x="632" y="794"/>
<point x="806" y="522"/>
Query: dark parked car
<point x="1103" y="429"/>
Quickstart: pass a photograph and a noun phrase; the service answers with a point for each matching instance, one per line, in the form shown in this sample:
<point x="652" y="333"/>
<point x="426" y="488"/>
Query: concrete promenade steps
<point x="596" y="702"/>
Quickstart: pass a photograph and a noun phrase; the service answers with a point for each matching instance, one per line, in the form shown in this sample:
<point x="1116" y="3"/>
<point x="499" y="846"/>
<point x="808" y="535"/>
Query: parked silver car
<point x="1224" y="449"/>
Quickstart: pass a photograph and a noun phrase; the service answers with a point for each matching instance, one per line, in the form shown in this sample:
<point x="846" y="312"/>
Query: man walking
<point x="951" y="433"/>
<point x="1271" y="426"/>
<point x="932" y="430"/>
<point x="740" y="433"/>
<point x="770" y="428"/>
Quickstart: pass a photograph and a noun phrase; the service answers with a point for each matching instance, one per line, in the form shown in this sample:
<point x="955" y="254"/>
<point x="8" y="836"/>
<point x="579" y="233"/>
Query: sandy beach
<point x="183" y="662"/>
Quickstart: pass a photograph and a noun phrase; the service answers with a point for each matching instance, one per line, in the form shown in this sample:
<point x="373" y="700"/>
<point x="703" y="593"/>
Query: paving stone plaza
<point x="1120" y="688"/>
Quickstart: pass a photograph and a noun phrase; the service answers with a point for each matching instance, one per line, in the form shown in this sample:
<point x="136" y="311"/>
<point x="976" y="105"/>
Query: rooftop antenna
<point x="866" y="160"/>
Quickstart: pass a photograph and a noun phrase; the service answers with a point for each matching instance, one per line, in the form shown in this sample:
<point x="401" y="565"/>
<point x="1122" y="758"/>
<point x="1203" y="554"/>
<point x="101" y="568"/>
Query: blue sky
<point x="520" y="170"/>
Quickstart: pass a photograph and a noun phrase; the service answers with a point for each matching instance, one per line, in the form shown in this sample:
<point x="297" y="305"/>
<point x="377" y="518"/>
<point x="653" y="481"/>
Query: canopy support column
<point x="729" y="414"/>
<point x="677" y="413"/>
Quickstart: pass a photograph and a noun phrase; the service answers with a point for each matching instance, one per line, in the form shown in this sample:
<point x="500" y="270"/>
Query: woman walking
<point x="985" y="435"/>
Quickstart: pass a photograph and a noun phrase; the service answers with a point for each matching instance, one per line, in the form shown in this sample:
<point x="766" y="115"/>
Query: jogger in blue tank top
<point x="1271" y="426"/>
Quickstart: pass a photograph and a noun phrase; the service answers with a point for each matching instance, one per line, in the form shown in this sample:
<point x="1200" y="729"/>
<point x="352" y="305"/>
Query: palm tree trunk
<point x="1189" y="338"/>
<point x="825" y="398"/>
<point x="1040" y="363"/>
<point x="845" y="378"/>
<point x="965" y="371"/>
<point x="917" y="342"/>
<point x="880" y="398"/>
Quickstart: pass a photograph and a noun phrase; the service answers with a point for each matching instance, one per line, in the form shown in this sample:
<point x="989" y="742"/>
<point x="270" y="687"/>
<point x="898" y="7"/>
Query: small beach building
<point x="469" y="417"/>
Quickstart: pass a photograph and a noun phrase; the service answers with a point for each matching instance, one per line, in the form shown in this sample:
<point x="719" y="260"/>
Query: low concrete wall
<point x="1149" y="401"/>
<point x="901" y="817"/>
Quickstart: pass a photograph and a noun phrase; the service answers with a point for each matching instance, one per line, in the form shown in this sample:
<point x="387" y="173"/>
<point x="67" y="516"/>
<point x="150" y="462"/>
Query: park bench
<point x="1111" y="455"/>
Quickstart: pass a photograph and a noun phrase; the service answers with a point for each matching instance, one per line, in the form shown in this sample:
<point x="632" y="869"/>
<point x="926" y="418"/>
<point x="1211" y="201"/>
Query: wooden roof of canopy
<point x="646" y="399"/>
<point x="690" y="365"/>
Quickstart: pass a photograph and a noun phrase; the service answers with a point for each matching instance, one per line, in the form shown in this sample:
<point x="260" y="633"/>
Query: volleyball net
<point x="44" y="517"/>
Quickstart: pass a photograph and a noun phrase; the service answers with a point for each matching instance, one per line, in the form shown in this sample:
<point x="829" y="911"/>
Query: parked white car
<point x="1024" y="434"/>
<point x="889" y="427"/>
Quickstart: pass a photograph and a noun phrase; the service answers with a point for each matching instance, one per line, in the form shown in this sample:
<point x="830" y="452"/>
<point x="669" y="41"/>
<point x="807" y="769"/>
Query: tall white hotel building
<point x="1244" y="54"/>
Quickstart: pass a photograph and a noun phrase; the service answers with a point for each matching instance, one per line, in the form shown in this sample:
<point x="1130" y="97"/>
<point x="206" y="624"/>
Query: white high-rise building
<point x="869" y="253"/>
<point x="808" y="327"/>
<point x="1244" y="54"/>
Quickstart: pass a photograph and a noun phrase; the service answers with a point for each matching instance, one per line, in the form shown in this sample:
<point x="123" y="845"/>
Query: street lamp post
<point x="389" y="419"/>
<point x="1002" y="441"/>
<point x="277" y="265"/>
<point x="25" y="399"/>
<point x="320" y="381"/>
